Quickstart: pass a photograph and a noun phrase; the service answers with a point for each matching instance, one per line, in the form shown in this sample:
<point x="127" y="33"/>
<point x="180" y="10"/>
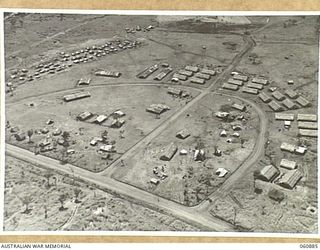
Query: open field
<point x="156" y="47"/>
<point x="55" y="32"/>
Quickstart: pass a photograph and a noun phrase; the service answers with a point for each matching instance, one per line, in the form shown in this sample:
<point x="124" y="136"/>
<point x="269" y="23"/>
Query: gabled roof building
<point x="303" y="101"/>
<point x="229" y="86"/>
<point x="183" y="134"/>
<point x="235" y="82"/>
<point x="289" y="104"/>
<point x="250" y="90"/>
<point x="275" y="106"/>
<point x="288" y="164"/>
<point x="290" y="179"/>
<point x="268" y="173"/>
<point x="287" y="147"/>
<point x="254" y="85"/>
<point x="260" y="80"/>
<point x="169" y="152"/>
<point x="307" y="125"/>
<point x="243" y="78"/>
<point x="284" y="117"/>
<point x="308" y="132"/>
<point x="307" y="117"/>
<point x="278" y="96"/>
<point x="292" y="94"/>
<point x="264" y="97"/>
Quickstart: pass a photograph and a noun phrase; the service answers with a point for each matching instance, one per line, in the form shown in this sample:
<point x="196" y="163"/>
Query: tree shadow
<point x="62" y="209"/>
<point x="27" y="211"/>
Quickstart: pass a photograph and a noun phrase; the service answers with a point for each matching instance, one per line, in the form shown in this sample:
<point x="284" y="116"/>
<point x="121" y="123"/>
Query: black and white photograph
<point x="160" y="122"/>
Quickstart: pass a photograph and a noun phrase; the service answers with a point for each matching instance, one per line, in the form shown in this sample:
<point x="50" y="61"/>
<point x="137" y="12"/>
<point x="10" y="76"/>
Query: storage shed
<point x="290" y="179"/>
<point x="287" y="147"/>
<point x="284" y="117"/>
<point x="259" y="80"/>
<point x="197" y="80"/>
<point x="240" y="77"/>
<point x="292" y="94"/>
<point x="285" y="163"/>
<point x="290" y="104"/>
<point x="307" y="125"/>
<point x="307" y="117"/>
<point x="168" y="152"/>
<point x="229" y="86"/>
<point x="250" y="90"/>
<point x="202" y="76"/>
<point x="278" y="96"/>
<point x="192" y="68"/>
<point x="84" y="116"/>
<point x="208" y="72"/>
<point x="254" y="85"/>
<point x="308" y="132"/>
<point x="235" y="82"/>
<point x="303" y="101"/>
<point x="264" y="97"/>
<point x="268" y="173"/>
<point x="183" y="134"/>
<point x="275" y="106"/>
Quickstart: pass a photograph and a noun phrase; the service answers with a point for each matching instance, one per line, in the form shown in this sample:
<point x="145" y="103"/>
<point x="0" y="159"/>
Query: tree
<point x="30" y="133"/>
<point x="26" y="202"/>
<point x="62" y="199"/>
<point x="55" y="180"/>
<point x="22" y="175"/>
<point x="121" y="134"/>
<point x="64" y="151"/>
<point x="77" y="192"/>
<point x="45" y="211"/>
<point x="65" y="136"/>
<point x="242" y="141"/>
<point x="198" y="190"/>
<point x="21" y="22"/>
<point x="66" y="145"/>
<point x="104" y="136"/>
<point x="48" y="175"/>
<point x="235" y="210"/>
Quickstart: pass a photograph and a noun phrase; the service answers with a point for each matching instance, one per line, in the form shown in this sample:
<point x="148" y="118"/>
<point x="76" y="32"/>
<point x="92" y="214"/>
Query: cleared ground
<point x="157" y="46"/>
<point x="190" y="182"/>
<point x="103" y="101"/>
<point x="278" y="48"/>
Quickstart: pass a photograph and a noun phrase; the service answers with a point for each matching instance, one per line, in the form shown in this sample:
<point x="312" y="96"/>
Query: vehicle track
<point x="191" y="215"/>
<point x="251" y="160"/>
<point x="123" y="190"/>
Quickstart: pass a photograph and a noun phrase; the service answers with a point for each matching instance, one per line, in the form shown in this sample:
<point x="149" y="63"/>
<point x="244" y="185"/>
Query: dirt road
<point x="139" y="196"/>
<point x="252" y="159"/>
<point x="103" y="180"/>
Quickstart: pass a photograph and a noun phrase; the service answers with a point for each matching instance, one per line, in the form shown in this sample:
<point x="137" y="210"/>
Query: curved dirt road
<point x="252" y="159"/>
<point x="188" y="214"/>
